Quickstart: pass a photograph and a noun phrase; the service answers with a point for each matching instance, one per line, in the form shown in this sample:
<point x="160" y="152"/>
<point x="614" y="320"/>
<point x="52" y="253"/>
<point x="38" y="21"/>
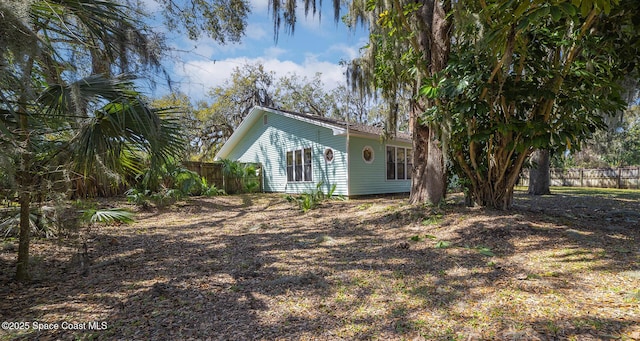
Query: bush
<point x="241" y="177"/>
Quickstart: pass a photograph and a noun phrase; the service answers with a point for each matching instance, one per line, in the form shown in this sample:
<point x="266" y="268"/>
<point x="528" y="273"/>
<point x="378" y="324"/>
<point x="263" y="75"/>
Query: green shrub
<point x="309" y="200"/>
<point x="210" y="191"/>
<point x="138" y="197"/>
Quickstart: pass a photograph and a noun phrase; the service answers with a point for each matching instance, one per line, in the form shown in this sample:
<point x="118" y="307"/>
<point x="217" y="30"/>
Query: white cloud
<point x="197" y="77"/>
<point x="259" y="6"/>
<point x="274" y="52"/>
<point x="348" y="52"/>
<point x="257" y="32"/>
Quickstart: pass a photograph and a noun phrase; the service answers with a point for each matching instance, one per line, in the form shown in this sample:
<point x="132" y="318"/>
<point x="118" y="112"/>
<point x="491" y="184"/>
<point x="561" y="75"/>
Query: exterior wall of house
<point x="269" y="143"/>
<point x="371" y="178"/>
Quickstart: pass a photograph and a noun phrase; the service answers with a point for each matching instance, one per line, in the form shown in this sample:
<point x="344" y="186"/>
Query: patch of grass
<point x="631" y="194"/>
<point x="633" y="297"/>
<point x="435" y="219"/>
<point x="399" y="312"/>
<point x="365" y="206"/>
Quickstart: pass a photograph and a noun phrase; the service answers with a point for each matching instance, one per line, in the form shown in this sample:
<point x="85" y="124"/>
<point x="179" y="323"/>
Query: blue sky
<point x="316" y="46"/>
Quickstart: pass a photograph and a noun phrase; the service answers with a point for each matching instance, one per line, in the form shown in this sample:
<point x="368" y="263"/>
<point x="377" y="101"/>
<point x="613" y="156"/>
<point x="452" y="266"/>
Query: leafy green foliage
<point x="221" y="20"/>
<point x="616" y="146"/>
<point x="242" y="177"/>
<point x="433" y="219"/>
<point x="210" y="190"/>
<point x="138" y="197"/>
<point x="172" y="182"/>
<point x="108" y="216"/>
<point x="310" y="200"/>
<point x="43" y="222"/>
<point x="49" y="222"/>
<point x="485" y="251"/>
<point x="530" y="78"/>
<point x="442" y="244"/>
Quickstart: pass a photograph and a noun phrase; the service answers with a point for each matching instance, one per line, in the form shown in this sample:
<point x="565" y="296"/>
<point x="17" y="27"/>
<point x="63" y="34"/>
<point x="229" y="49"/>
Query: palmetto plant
<point x="63" y="113"/>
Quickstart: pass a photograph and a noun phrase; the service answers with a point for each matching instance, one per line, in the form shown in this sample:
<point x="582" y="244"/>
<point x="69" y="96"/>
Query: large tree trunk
<point x="539" y="174"/>
<point x="419" y="173"/>
<point x="429" y="179"/>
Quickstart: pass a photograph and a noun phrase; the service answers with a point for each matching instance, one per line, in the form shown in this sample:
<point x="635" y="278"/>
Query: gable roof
<point x="337" y="126"/>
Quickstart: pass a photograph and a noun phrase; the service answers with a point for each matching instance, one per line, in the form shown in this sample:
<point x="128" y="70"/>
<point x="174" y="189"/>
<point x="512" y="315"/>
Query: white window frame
<point x="406" y="162"/>
<point x="299" y="171"/>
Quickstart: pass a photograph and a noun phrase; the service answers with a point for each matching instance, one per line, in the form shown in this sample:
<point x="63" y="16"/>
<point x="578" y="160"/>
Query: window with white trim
<point x="399" y="163"/>
<point x="299" y="165"/>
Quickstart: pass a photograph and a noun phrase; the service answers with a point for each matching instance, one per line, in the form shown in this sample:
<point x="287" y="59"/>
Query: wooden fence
<point x="627" y="177"/>
<point x="213" y="172"/>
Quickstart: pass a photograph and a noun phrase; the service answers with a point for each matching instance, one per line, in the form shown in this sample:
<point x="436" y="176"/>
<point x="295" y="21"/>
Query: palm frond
<point x="119" y="128"/>
<point x="108" y="216"/>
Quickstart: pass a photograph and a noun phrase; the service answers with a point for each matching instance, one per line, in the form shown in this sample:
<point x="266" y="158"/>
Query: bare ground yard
<point x="565" y="266"/>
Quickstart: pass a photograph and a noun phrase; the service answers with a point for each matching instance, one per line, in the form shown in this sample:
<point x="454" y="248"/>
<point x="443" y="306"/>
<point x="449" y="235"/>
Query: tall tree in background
<point x="608" y="145"/>
<point x="616" y="146"/>
<point x="250" y="85"/>
<point x="62" y="111"/>
<point x="300" y="94"/>
<point x="540" y="173"/>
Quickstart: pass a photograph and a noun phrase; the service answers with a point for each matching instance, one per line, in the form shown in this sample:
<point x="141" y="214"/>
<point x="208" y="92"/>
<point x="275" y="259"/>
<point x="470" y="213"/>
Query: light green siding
<point x="268" y="144"/>
<point x="370" y="178"/>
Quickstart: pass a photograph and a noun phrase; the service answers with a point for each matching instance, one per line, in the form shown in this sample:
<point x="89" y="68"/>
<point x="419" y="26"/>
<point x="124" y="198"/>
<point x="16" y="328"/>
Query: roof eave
<point x="373" y="136"/>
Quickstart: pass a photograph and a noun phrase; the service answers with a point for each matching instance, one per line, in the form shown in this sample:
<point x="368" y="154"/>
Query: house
<point x="298" y="151"/>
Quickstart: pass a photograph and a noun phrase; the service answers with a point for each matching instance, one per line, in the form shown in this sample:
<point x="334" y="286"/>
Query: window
<point x="297" y="157"/>
<point x="289" y="166"/>
<point x="367" y="154"/>
<point x="299" y="165"/>
<point x="391" y="163"/>
<point x="307" y="164"/>
<point x="399" y="163"/>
